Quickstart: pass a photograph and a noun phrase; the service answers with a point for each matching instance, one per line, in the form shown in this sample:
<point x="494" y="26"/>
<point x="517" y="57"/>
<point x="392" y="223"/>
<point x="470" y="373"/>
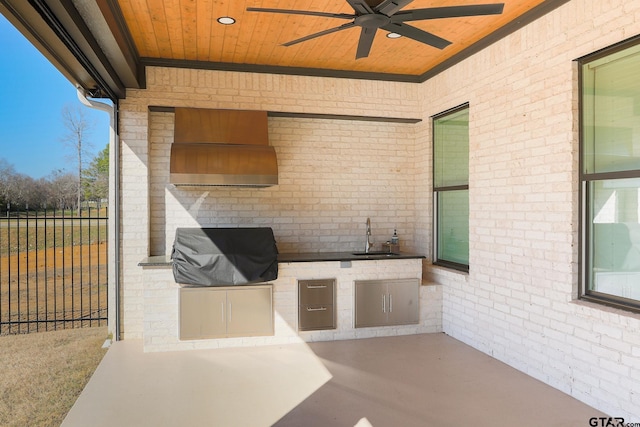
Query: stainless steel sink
<point x="375" y="253"/>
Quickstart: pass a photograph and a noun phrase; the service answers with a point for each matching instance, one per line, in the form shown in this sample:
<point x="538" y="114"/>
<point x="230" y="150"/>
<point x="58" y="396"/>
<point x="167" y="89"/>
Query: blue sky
<point x="32" y="95"/>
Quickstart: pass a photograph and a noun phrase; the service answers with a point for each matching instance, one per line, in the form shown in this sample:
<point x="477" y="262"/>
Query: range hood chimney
<point x="222" y="147"/>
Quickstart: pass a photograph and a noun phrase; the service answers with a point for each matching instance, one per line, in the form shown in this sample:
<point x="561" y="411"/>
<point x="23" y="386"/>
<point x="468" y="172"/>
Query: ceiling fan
<point x="387" y="15"/>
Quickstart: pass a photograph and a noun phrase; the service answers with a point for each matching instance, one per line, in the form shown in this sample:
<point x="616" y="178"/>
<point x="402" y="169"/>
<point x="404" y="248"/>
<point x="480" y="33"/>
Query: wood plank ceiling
<point x="186" y="31"/>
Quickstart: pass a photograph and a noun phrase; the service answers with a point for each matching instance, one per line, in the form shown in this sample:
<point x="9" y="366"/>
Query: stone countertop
<point x="343" y="256"/>
<point x="156" y="261"/>
<point x="165" y="260"/>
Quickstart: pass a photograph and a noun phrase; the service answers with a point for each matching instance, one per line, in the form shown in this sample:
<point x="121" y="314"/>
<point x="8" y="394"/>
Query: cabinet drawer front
<point x="316" y="292"/>
<point x="312" y="317"/>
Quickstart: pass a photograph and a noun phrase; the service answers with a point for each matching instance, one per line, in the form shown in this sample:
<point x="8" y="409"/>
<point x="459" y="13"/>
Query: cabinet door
<point x="249" y="312"/>
<point x="371" y="303"/>
<point x="404" y="302"/>
<point x="202" y="313"/>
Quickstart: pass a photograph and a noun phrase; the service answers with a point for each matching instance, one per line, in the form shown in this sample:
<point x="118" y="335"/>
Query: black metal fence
<point x="53" y="270"/>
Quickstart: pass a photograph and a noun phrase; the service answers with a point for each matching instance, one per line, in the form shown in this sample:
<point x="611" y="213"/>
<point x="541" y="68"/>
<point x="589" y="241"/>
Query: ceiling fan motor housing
<point x="372" y="20"/>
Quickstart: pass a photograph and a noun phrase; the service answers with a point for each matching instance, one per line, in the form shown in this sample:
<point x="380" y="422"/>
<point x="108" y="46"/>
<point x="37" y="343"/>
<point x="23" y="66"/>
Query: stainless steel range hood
<point x="222" y="147"/>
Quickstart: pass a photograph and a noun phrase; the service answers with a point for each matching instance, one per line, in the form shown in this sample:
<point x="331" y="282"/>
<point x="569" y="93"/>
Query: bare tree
<point x="62" y="188"/>
<point x="20" y="191"/>
<point x="78" y="129"/>
<point x="7" y="172"/>
<point x="38" y="194"/>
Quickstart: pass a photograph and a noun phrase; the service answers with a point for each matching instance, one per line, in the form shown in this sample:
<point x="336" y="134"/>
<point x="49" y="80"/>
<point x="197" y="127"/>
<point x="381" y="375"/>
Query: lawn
<point x="39" y="234"/>
<point x="52" y="269"/>
<point x="42" y="374"/>
<point x="53" y="284"/>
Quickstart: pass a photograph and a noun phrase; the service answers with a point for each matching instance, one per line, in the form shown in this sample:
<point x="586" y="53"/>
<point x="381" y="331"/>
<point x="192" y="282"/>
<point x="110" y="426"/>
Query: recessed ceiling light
<point x="226" y="20"/>
<point x="393" y="35"/>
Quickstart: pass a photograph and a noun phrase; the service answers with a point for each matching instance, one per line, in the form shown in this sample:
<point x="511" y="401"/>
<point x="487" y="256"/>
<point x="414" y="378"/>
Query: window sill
<point x="439" y="274"/>
<point x="460" y="268"/>
<point x="608" y="306"/>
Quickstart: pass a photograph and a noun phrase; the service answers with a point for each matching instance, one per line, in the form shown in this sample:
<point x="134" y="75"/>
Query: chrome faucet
<point x="367" y="245"/>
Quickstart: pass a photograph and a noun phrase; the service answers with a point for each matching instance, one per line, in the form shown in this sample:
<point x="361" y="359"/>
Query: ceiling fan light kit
<point x="387" y="15"/>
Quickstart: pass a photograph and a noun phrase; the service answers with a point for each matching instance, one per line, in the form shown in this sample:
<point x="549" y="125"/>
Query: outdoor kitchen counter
<point x="341" y="256"/>
<point x="165" y="260"/>
<point x="161" y="300"/>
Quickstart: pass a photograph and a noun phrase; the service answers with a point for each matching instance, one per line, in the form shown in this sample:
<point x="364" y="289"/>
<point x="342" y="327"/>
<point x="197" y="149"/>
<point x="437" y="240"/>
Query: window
<point x="451" y="188"/>
<point x="610" y="175"/>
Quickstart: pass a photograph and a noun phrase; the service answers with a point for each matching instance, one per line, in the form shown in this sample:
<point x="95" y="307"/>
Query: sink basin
<point x="376" y="253"/>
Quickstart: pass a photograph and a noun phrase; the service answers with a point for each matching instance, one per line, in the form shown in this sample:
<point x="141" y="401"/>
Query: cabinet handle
<point x="384" y="303"/>
<point x="222" y="310"/>
<point x="317" y="309"/>
<point x="316" y="286"/>
<point x="230" y="312"/>
<point x="390" y="304"/>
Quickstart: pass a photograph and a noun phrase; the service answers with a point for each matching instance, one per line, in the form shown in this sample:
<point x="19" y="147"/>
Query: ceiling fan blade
<point x="321" y="33"/>
<point x="389" y="7"/>
<point x="360" y="6"/>
<point x="417" y="35"/>
<point x="365" y="42"/>
<point x="302" y="12"/>
<point x="448" y="12"/>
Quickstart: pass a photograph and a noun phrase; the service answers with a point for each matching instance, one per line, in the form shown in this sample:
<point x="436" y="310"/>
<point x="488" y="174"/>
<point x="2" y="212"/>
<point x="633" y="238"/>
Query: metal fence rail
<point x="53" y="270"/>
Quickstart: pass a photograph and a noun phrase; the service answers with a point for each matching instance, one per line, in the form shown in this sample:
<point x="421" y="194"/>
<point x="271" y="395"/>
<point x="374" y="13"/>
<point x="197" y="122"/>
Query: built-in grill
<point x="224" y="256"/>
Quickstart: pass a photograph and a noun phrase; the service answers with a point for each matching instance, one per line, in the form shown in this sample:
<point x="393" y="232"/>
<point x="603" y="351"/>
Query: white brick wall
<point x="518" y="301"/>
<point x="134" y="216"/>
<point x="333" y="174"/>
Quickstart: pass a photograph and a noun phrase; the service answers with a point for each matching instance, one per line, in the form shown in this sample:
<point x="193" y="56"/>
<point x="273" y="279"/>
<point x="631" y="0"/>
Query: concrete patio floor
<point x="416" y="380"/>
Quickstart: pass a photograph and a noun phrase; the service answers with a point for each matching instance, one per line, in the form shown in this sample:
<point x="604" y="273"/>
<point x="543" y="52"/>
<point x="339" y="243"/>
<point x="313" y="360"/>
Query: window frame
<point x="437" y="190"/>
<point x="585" y="179"/>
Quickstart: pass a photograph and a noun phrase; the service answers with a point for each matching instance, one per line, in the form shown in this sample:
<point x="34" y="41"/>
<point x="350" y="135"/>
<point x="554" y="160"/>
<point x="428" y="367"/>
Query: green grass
<point x="42" y="374"/>
<point x="15" y="240"/>
<point x="66" y="213"/>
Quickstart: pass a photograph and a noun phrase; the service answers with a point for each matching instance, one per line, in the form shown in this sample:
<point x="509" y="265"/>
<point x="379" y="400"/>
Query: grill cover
<point x="224" y="256"/>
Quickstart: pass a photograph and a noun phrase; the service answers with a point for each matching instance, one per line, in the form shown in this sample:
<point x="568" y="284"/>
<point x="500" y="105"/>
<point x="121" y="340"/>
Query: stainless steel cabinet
<point x="225" y="312"/>
<point x="387" y="302"/>
<point x="316" y="304"/>
<point x="404" y="302"/>
<point x="371" y="303"/>
<point x="202" y="313"/>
